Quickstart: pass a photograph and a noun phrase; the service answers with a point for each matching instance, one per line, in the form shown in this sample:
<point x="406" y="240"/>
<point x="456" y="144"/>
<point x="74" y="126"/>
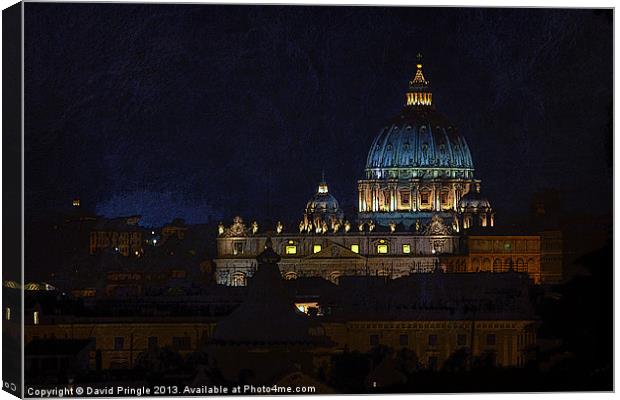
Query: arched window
<point x="425" y="199"/>
<point x="521" y="265"/>
<point x="486" y="264"/>
<point x="497" y="265"/>
<point x="445" y="199"/>
<point x="238" y="279"/>
<point x="382" y="247"/>
<point x="475" y="265"/>
<point x="290" y="275"/>
<point x="290" y="248"/>
<point x="508" y="264"/>
<point x="530" y="264"/>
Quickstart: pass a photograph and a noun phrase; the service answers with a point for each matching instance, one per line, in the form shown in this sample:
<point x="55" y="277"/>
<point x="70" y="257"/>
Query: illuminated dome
<point x="418" y="167"/>
<point x="475" y="210"/>
<point x="322" y="211"/>
<point x="419" y="143"/>
<point x="322" y="201"/>
<point x="474" y="202"/>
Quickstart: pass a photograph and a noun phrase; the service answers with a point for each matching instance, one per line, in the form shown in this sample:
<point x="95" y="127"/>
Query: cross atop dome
<point x="418" y="79"/>
<point x="323" y="185"/>
<point x="419" y="93"/>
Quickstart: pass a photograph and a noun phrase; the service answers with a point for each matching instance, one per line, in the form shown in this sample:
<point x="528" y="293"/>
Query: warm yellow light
<point x="406" y="248"/>
<point x="382" y="249"/>
<point x="291" y="249"/>
<point x="419" y="98"/>
<point x="35" y="318"/>
<point x="76" y="202"/>
<point x="8" y="313"/>
<point x="316" y="248"/>
<point x="355" y="248"/>
<point x="305" y="307"/>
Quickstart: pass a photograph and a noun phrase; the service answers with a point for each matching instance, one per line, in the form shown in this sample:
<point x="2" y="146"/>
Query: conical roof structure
<point x="267" y="315"/>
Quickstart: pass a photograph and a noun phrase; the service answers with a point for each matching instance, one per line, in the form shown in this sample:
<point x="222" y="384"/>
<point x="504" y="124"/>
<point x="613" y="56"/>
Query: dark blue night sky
<point x="199" y="111"/>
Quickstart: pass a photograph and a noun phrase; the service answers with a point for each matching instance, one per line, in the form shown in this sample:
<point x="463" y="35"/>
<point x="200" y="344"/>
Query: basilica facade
<point x="418" y="203"/>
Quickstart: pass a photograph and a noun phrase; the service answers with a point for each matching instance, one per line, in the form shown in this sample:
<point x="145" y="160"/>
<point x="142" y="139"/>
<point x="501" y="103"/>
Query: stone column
<point x="410" y="197"/>
<point x="375" y="195"/>
<point x="454" y="201"/>
<point x="360" y="193"/>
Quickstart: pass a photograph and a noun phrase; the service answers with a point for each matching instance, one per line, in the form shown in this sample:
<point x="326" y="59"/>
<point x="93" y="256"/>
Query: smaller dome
<point x="322" y="212"/>
<point x="323" y="202"/>
<point x="474" y="202"/>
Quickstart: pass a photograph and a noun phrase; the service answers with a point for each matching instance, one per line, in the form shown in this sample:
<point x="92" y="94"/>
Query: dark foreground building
<point x="257" y="334"/>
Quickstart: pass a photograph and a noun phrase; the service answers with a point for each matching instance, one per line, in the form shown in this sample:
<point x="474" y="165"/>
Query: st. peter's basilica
<point x="420" y="209"/>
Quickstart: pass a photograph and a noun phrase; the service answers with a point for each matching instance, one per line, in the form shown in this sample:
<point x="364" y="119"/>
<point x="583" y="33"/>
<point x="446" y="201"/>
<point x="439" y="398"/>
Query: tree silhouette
<point x="458" y="360"/>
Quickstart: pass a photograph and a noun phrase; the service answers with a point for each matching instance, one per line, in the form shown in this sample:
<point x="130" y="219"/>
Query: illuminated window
<point x="355" y="248"/>
<point x="444" y="198"/>
<point x="424" y="198"/>
<point x="238" y="279"/>
<point x="290" y="249"/>
<point x="35" y="318"/>
<point x="406" y="248"/>
<point x="290" y="275"/>
<point x="316" y="248"/>
<point x="382" y="248"/>
<point x="178" y="273"/>
<point x="76" y="202"/>
<point x="7" y="313"/>
<point x="404" y="198"/>
<point x="238" y="248"/>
